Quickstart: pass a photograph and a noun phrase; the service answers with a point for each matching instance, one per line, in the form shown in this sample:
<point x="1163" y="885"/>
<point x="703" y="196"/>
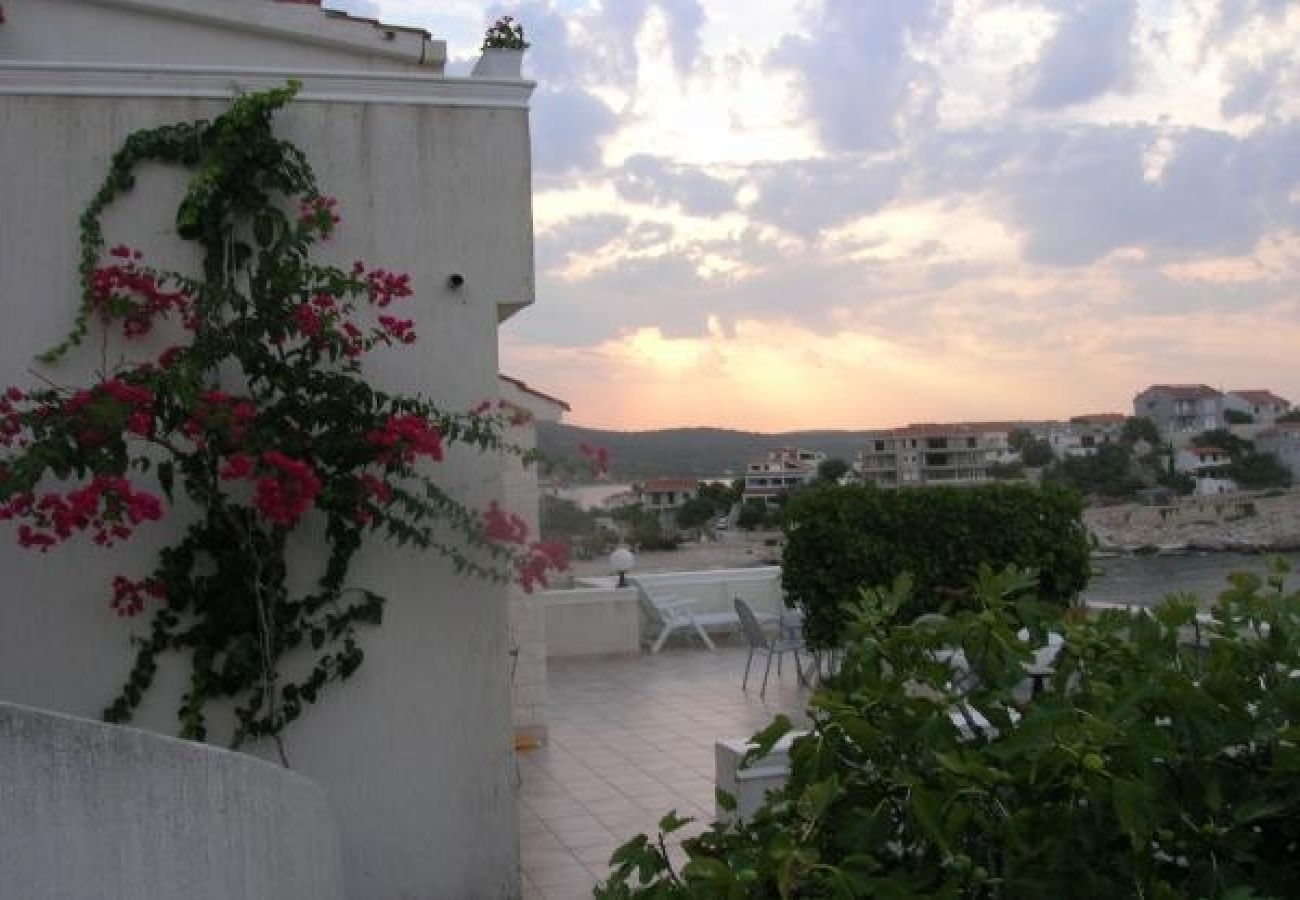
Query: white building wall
<point x="94" y="810"/>
<point x="527" y="619"/>
<point x="433" y="177"/>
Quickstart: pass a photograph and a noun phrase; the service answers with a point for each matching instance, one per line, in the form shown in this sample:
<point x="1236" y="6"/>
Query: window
<point x="971" y="442"/>
<point x="880" y="446"/>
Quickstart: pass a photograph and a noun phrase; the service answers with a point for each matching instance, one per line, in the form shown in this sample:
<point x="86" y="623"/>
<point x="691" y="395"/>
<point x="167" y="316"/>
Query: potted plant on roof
<point x="503" y="50"/>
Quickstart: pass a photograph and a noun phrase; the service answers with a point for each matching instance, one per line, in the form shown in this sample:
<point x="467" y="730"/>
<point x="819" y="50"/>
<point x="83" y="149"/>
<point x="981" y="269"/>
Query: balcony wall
<point x="94" y="810"/>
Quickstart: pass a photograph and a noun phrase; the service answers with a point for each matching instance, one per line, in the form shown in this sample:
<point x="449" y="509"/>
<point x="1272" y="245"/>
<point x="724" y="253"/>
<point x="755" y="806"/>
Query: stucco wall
<point x="97" y="811"/>
<point x="413" y="752"/>
<point x="592" y="622"/>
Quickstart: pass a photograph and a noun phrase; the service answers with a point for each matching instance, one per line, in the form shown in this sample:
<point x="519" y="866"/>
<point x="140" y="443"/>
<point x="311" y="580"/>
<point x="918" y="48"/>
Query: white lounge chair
<point x="672" y="613"/>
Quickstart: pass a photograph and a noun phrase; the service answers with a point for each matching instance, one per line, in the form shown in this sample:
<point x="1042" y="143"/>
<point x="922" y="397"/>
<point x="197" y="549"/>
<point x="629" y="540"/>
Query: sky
<point x="776" y="215"/>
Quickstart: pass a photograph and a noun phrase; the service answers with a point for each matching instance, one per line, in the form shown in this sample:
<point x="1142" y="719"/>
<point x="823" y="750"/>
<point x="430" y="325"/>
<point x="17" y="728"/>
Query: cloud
<point x="577" y="236"/>
<point x="568" y="126"/>
<point x="658" y="181"/>
<point x="806" y="196"/>
<point x="622" y="21"/>
<point x="1230" y="16"/>
<point x="859" y="79"/>
<point x="1091" y="53"/>
<point x="1076" y="193"/>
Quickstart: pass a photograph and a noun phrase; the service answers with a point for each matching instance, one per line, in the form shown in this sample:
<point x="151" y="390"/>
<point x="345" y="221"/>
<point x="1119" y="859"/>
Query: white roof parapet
<point x="350" y="86"/>
<point x="289" y="21"/>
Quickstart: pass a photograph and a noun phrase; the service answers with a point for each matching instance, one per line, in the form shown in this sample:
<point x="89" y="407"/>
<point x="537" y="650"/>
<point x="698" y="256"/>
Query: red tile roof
<point x="1262" y="397"/>
<point x="1099" y="419"/>
<point x="1184" y="391"/>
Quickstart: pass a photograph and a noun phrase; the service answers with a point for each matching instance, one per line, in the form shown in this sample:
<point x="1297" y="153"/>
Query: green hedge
<point x="841" y="538"/>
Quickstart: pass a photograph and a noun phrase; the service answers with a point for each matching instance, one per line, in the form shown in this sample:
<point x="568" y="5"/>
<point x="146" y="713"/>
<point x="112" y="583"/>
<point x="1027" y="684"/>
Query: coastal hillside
<point x="688" y="452"/>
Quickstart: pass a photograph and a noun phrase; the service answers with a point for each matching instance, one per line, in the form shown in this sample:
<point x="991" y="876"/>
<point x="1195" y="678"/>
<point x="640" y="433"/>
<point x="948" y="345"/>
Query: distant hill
<point x="688" y="451"/>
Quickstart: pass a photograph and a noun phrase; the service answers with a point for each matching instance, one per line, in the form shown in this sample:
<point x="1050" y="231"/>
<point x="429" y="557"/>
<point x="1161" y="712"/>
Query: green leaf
<point x="672" y="822"/>
<point x="924" y="808"/>
<point x="725" y="800"/>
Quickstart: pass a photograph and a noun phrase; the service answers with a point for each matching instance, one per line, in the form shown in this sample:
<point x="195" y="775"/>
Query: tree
<point x="1144" y="767"/>
<point x="753" y="514"/>
<point x="1290" y="416"/>
<point x="841" y="538"/>
<point x="1260" y="471"/>
<point x="642" y="528"/>
<point x="1237" y="417"/>
<point x="1020" y="438"/>
<point x="722" y="496"/>
<point x="1037" y="453"/>
<point x="832" y="470"/>
<point x="1107" y="472"/>
<point x="1006" y="471"/>
<point x="1139" y="428"/>
<point x="695" y="513"/>
<point x="1238" y="448"/>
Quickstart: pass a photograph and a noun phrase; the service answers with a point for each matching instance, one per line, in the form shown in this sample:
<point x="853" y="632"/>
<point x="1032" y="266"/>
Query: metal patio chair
<point x="760" y="642"/>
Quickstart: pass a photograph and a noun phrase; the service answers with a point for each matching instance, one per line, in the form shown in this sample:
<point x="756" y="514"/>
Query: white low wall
<point x="89" y="810"/>
<point x="600" y="621"/>
<point x="715" y="590"/>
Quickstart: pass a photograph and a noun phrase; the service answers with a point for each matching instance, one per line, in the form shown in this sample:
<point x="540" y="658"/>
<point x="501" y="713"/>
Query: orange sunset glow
<point x="853" y="213"/>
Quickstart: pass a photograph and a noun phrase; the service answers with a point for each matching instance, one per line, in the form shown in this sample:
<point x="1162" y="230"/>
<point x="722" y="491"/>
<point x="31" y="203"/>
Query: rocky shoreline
<point x="1239" y="523"/>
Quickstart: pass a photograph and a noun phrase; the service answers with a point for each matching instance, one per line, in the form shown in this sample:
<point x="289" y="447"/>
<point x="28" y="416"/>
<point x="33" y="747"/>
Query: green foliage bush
<point x="843" y="538"/>
<point x="1160" y="761"/>
<point x="1106" y="473"/>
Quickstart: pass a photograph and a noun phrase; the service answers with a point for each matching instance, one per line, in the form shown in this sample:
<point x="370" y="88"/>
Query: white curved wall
<point x="98" y="811"/>
<point x="433" y="177"/>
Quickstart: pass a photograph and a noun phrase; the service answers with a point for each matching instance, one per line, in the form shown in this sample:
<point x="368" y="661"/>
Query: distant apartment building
<point x="1181" y="410"/>
<point x="664" y="496"/>
<point x="1261" y="405"/>
<point x="1283" y="441"/>
<point x="934" y="454"/>
<point x="780" y="470"/>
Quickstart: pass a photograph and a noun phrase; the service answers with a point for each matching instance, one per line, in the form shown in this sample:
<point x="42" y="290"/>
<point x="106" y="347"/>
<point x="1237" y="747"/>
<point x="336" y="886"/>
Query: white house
<point x="527" y="406"/>
<point x="1208" y="465"/>
<point x="1262" y="406"/>
<point x="433" y="177"/>
<point x="665" y="496"/>
<point x="1181" y="410"/>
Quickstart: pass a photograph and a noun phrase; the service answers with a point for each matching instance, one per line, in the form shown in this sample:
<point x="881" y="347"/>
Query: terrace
<point x="630" y="739"/>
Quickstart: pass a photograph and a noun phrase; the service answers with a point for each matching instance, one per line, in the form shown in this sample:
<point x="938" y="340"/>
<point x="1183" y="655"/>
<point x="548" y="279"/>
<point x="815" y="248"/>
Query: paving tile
<point x="630" y="739"/>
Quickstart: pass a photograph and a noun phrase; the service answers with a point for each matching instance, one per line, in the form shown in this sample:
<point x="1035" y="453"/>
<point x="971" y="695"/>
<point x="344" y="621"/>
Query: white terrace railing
<point x="595" y="618"/>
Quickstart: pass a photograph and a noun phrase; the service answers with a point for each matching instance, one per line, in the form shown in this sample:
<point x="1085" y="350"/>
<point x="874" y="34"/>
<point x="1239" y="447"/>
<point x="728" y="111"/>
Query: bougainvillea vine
<point x="259" y="414"/>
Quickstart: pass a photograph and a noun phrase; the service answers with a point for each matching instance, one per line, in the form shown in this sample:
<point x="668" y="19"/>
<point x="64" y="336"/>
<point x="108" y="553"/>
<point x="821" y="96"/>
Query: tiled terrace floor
<point x="631" y="739"/>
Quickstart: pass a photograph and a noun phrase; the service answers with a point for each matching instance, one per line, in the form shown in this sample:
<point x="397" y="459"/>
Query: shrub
<point x="1146" y="768"/>
<point x="843" y="538"/>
